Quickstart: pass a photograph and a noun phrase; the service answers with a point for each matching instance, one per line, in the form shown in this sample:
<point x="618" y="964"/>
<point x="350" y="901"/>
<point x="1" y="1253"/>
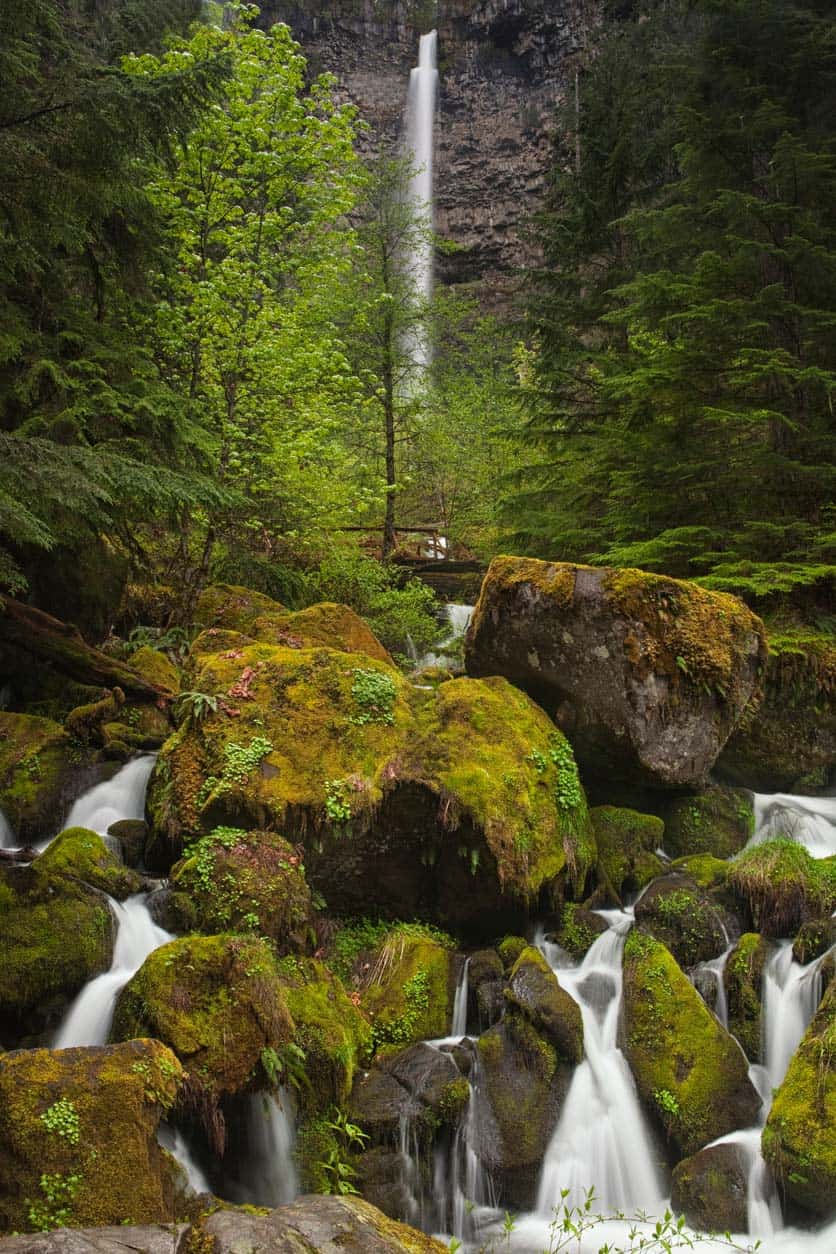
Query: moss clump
<point x="689" y="1072"/>
<point x="717" y="822"/>
<point x="217" y="1002"/>
<point x="579" y="929"/>
<point x="814" y="939"/>
<point x="329" y="1027"/>
<point x="509" y="950"/>
<point x="799" y="1140"/>
<point x="626" y="842"/>
<point x="57" y="934"/>
<point x="114" y="1098"/>
<point x="409" y="992"/>
<point x="157" y="668"/>
<point x="232" y="880"/>
<point x="327" y="624"/>
<point x="534" y="990"/>
<point x="83" y="855"/>
<point x="743" y="979"/>
<point x="782" y="886"/>
<point x="232" y="608"/>
<point x="683" y="917"/>
<point x="704" y="869"/>
<point x="37" y="758"/>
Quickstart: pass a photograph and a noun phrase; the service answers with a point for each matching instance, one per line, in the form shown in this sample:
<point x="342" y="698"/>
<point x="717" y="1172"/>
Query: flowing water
<point x="173" y="1140"/>
<point x="791" y="994"/>
<point x="811" y="821"/>
<point x="122" y="797"/>
<point x="7" y="836"/>
<point x="265" y="1172"/>
<point x="420" y="126"/>
<point x="458" y="617"/>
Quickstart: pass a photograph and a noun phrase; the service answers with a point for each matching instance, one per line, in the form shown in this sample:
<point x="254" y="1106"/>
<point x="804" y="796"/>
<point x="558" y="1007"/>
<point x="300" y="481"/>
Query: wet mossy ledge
<point x="464" y="799"/>
<point x="647" y="675"/>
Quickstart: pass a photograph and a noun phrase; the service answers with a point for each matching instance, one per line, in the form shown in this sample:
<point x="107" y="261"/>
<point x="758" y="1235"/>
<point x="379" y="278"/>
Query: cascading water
<point x="713" y="972"/>
<point x="458" y="616"/>
<point x="173" y="1140"/>
<point x="418" y="258"/>
<point x="265" y="1172"/>
<point x="601" y="1138"/>
<point x="810" y="821"/>
<point x="122" y="797"/>
<point x="791" y="994"/>
<point x="458" y="1026"/>
<point x="7" y="836"/>
<point x="89" y="1017"/>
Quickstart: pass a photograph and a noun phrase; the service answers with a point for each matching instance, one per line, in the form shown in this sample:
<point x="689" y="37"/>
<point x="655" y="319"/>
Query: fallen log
<point x="62" y="646"/>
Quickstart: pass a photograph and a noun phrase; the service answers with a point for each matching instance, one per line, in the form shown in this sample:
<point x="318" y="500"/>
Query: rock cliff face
<point x="504" y="66"/>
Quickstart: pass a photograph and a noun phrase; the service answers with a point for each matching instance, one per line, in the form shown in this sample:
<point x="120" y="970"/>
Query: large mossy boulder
<point x="799" y="1140"/>
<point x="690" y="1074"/>
<point x="627" y="842"/>
<point x="83" y="855"/>
<point x="679" y="913"/>
<point x="709" y="1189"/>
<point x="217" y="1002"/>
<point x="743" y="981"/>
<point x="77" y="1136"/>
<point x="534" y="990"/>
<point x="409" y="992"/>
<point x="57" y="934"/>
<point x="647" y="675"/>
<point x="39" y="763"/>
<point x="781" y="886"/>
<point x="230" y="607"/>
<point x="326" y="624"/>
<point x="717" y="821"/>
<point x="789" y="744"/>
<point x="465" y="801"/>
<point x="239" y="881"/>
<point x="330" y="1029"/>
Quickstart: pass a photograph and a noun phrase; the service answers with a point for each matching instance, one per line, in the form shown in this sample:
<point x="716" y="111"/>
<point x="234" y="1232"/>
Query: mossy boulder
<point x="83" y="855"/>
<point x="157" y="667"/>
<point x="239" y="881"/>
<point x="680" y="914"/>
<point x="465" y="800"/>
<point x="328" y="623"/>
<point x="691" y="1075"/>
<point x="329" y="1027"/>
<point x="418" y="1083"/>
<point x="486" y="986"/>
<point x="781" y="886"/>
<point x="410" y="988"/>
<point x="522" y="1087"/>
<point x="717" y="821"/>
<point x="150" y="722"/>
<point x="627" y="842"/>
<point x="791" y="740"/>
<point x="709" y="1189"/>
<point x="704" y="869"/>
<point x="233" y="608"/>
<point x="577" y="929"/>
<point x="77" y="1136"/>
<point x="648" y="675"/>
<point x="218" y="1003"/>
<point x="799" y="1140"/>
<point x="814" y="939"/>
<point x="534" y="990"/>
<point x="132" y="835"/>
<point x="38" y="765"/>
<point x="743" y="981"/>
<point x="57" y="934"/>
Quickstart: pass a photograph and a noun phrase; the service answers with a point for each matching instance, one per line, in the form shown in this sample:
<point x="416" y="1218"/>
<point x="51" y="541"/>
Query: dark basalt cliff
<point x="504" y="66"/>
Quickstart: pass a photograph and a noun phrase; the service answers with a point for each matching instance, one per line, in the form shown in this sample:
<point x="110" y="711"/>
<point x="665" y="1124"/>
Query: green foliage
<point x="335" y="1170"/>
<point x="567" y="790"/>
<point x="285" y="1065"/>
<point x="62" y="1119"/>
<point x="55" y="1208"/>
<point x="374" y="694"/>
<point x="193" y="707"/>
<point x="645" y="1235"/>
<point x="337" y="802"/>
<point x="401" y="1029"/>
<point x="365" y="935"/>
<point x="203" y="851"/>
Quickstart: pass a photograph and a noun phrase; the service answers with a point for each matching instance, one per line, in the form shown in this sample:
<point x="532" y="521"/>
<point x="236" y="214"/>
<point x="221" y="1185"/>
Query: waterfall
<point x="172" y="1139"/>
<point x="122" y="797"/>
<point x="458" y="1027"/>
<point x="7" y="836"/>
<point x="601" y="1138"/>
<point x="458" y="617"/>
<point x="714" y="971"/>
<point x="791" y="994"/>
<point x="418" y="258"/>
<point x="265" y="1171"/>
<point x="88" y="1019"/>
<point x="810" y="821"/>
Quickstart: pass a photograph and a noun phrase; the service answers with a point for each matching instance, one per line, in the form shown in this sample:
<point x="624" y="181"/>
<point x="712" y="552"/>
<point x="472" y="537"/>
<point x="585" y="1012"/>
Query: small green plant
<point x="567" y="790"/>
<point x="62" y="1119"/>
<point x="538" y="760"/>
<point x="644" y="1236"/>
<point x="285" y="1065"/>
<point x="335" y="1168"/>
<point x="374" y="695"/>
<point x="55" y="1207"/>
<point x="403" y="1028"/>
<point x="193" y="708"/>
<point x="667" y="1102"/>
<point x="337" y="804"/>
<point x="239" y="761"/>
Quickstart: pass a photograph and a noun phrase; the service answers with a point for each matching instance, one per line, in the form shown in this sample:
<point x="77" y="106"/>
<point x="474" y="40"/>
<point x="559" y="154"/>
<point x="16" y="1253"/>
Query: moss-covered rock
<point x="627" y="842"/>
<point x="465" y="800"/>
<point x="409" y="992"/>
<point x="132" y="835"/>
<point x="83" y="855"/>
<point x="718" y="821"/>
<point x="232" y="880"/>
<point x="38" y="761"/>
<point x="218" y="1003"/>
<point x="486" y="986"/>
<point x="157" y="667"/>
<point x="743" y="980"/>
<point x="577" y="930"/>
<point x="418" y="1083"/>
<point x="709" y="1189"/>
<point x="329" y="1027"/>
<point x="799" y="1140"/>
<point x="782" y="886"/>
<point x="704" y="869"/>
<point x="793" y="734"/>
<point x="326" y="624"/>
<point x="57" y="934"/>
<point x="649" y="674"/>
<point x="678" y="913"/>
<point x="814" y="939"/>
<point x="534" y="990"/>
<point x="77" y="1143"/>
<point x="691" y="1075"/>
<point x="232" y="608"/>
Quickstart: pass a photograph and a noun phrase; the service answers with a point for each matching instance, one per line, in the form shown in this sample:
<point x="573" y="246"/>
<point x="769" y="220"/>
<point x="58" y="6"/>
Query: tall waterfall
<point x="418" y="259"/>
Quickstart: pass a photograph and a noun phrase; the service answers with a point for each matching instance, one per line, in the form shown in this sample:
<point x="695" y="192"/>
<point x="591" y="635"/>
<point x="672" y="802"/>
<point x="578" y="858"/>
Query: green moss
<point x="509" y="950"/>
<point x="115" y="1098"/>
<point x="534" y="991"/>
<point x="783" y="886"/>
<point x="83" y="855"/>
<point x="454" y="1101"/>
<point x="232" y="608"/>
<point x="717" y="822"/>
<point x="678" y="913"/>
<point x="36" y="758"/>
<point x="626" y="841"/>
<point x="157" y="668"/>
<point x="409" y="994"/>
<point x="327" y="624"/>
<point x="675" y="1046"/>
<point x="577" y="931"/>
<point x="799" y="1141"/>
<point x="743" y="981"/>
<point x="704" y="869"/>
<point x="519" y="1067"/>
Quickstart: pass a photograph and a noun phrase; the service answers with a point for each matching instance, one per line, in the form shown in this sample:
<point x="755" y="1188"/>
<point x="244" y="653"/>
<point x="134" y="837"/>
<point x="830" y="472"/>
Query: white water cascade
<point x="7" y="836"/>
<point x="810" y="821"/>
<point x="458" y="616"/>
<point x="791" y="994"/>
<point x="266" y="1174"/>
<point x="89" y="1017"/>
<point x="418" y="259"/>
<point x="122" y="797"/>
<point x="458" y="1027"/>
<point x="172" y="1139"/>
<point x="602" y="1137"/>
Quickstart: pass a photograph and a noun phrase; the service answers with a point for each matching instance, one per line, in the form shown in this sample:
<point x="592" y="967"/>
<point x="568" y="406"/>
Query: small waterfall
<point x="791" y="994"/>
<point x="714" y="971"/>
<point x="172" y="1139"/>
<point x="811" y="821"/>
<point x="458" y="616"/>
<point x="88" y="1019"/>
<point x="602" y="1138"/>
<point x="418" y="261"/>
<point x="122" y="797"/>
<point x="7" y="836"/>
<point x="458" y="1027"/>
<point x="265" y="1173"/>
